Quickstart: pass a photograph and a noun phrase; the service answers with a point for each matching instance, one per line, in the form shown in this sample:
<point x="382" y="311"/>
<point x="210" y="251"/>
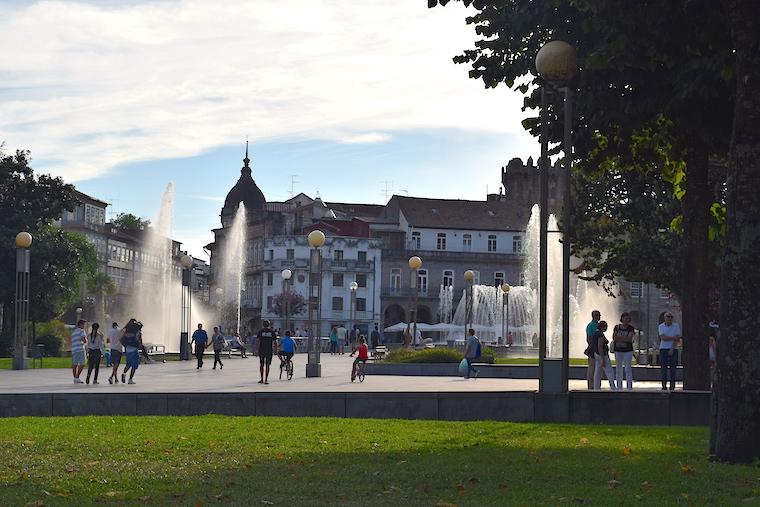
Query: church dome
<point x="245" y="191"/>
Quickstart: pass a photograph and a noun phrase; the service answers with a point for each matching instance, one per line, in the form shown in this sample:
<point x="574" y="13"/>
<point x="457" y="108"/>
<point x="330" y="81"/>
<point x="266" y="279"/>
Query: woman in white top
<point x="95" y="345"/>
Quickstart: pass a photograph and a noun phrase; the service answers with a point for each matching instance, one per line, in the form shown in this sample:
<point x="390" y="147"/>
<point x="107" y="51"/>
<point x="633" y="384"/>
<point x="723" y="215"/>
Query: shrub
<point x="487" y="355"/>
<point x="52" y="344"/>
<point x="437" y="355"/>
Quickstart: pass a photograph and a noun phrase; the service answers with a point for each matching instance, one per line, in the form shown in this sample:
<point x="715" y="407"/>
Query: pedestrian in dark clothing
<point x="374" y="337"/>
<point x="200" y="338"/>
<point x="218" y="342"/>
<point x="266" y="341"/>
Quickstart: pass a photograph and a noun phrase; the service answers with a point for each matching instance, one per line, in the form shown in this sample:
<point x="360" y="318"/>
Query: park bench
<point x="379" y="352"/>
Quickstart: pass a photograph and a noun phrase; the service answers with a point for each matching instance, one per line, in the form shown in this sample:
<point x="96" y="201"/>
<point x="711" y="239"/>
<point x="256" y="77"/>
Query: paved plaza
<point x="242" y="375"/>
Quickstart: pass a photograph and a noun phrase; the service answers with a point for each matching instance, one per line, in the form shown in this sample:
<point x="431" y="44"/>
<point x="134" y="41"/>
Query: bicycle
<point x="287" y="364"/>
<point x="359" y="373"/>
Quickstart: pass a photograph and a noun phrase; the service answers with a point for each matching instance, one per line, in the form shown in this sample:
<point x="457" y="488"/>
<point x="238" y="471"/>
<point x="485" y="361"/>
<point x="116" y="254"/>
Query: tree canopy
<point x="128" y="221"/>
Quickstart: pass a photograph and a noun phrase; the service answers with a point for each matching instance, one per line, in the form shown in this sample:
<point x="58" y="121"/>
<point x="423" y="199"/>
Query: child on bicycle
<point x="286" y="350"/>
<point x="361" y="357"/>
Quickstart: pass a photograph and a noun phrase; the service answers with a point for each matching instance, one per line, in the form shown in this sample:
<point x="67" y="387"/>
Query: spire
<point x="246" y="168"/>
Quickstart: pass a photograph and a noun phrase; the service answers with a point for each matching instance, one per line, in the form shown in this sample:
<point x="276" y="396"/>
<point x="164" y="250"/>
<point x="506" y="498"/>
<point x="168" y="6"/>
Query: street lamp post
<point x="505" y="312"/>
<point x="469" y="276"/>
<point x="286" y="276"/>
<point x="352" y="310"/>
<point x="415" y="263"/>
<point x="556" y="63"/>
<point x="219" y="291"/>
<point x="184" y="335"/>
<point x="21" y="307"/>
<point x="316" y="239"/>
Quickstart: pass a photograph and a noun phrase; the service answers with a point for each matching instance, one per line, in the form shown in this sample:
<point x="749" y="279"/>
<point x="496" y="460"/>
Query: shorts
<point x="265" y="357"/>
<point x="358" y="360"/>
<point x="133" y="359"/>
<point x="286" y="355"/>
<point x="77" y="357"/>
<point x="116" y="356"/>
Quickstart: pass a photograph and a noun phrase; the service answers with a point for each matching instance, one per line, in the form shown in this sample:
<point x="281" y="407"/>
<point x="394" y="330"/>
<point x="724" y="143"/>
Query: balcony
<point x="390" y="292"/>
<point x="451" y="255"/>
<point x="352" y="265"/>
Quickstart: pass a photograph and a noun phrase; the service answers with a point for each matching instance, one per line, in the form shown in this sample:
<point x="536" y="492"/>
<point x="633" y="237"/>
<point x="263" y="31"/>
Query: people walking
<point x="602" y="356"/>
<point x="95" y="345"/>
<point x="669" y="333"/>
<point x="199" y="339"/>
<point x="471" y="352"/>
<point x="341" y="333"/>
<point x="114" y="342"/>
<point x="591" y="349"/>
<point x="334" y="341"/>
<point x="132" y="342"/>
<point x="622" y="342"/>
<point x="266" y="340"/>
<point x="78" y="347"/>
<point x="218" y="342"/>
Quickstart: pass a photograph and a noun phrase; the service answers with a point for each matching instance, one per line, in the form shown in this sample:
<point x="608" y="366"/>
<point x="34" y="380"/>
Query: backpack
<point x="477" y="351"/>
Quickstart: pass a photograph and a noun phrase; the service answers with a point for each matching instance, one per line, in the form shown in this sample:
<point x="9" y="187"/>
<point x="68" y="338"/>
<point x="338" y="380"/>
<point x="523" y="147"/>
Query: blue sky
<point x="121" y="98"/>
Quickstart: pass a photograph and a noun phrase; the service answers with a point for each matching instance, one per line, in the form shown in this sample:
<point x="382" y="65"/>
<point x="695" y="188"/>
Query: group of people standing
<point x="598" y="350"/>
<point x="340" y="338"/>
<point x="92" y="346"/>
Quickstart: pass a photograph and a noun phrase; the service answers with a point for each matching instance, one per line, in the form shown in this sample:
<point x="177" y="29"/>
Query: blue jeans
<point x="470" y="368"/>
<point x="668" y="360"/>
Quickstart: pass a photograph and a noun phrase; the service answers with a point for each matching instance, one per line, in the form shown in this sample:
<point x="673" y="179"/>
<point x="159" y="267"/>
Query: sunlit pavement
<point x="242" y="375"/>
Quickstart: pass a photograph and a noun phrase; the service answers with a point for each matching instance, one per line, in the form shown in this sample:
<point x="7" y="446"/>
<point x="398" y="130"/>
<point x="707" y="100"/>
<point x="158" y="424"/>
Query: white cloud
<point x="91" y="86"/>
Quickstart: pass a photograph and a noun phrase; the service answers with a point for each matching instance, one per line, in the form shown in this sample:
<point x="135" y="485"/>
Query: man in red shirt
<point x="362" y="356"/>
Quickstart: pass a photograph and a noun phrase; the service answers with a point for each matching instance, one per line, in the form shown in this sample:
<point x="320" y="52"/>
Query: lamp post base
<point x="313" y="370"/>
<point x="184" y="347"/>
<point x="19" y="359"/>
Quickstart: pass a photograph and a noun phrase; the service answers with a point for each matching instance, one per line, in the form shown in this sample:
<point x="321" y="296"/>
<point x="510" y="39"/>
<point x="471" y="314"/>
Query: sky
<point x="352" y="100"/>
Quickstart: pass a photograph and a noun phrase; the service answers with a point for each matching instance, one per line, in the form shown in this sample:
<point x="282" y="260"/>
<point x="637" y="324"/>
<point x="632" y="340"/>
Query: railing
<point x="448" y="254"/>
<point x="407" y="292"/>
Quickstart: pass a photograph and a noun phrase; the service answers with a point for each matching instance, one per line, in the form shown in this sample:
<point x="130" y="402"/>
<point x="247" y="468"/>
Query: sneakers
<point x="87" y="380"/>
<point x="95" y="382"/>
<point x="131" y="382"/>
<point x="77" y="381"/>
<point x="123" y="378"/>
<point x="110" y="380"/>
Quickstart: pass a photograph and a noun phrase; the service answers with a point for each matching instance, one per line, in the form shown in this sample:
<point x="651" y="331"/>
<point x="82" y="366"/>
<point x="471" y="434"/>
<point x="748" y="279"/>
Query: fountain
<point x="523" y="301"/>
<point x="233" y="268"/>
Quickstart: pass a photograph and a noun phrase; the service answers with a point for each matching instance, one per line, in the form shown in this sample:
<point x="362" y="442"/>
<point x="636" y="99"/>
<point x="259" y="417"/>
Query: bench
<point x="379" y="352"/>
<point x="230" y="347"/>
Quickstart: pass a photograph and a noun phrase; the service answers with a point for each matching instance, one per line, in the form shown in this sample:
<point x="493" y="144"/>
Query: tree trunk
<point x="737" y="383"/>
<point x="696" y="272"/>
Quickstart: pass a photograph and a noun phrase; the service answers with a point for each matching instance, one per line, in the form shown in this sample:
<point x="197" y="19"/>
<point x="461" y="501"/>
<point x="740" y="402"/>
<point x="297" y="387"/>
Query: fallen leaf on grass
<point x="47" y="493"/>
<point x="474" y="480"/>
<point x="280" y="456"/>
<point x="613" y="484"/>
<point x="168" y="451"/>
<point x="461" y="489"/>
<point x="401" y="462"/>
<point x="584" y="440"/>
<point x="145" y="498"/>
<point x="248" y="466"/>
<point x="112" y="494"/>
<point x="72" y="470"/>
<point x="627" y="450"/>
<point x="749" y="499"/>
<point x="687" y="469"/>
<point x="446" y="504"/>
<point x="198" y="503"/>
<point x="181" y="438"/>
<point x="222" y="496"/>
<point x="64" y="494"/>
<point x="35" y="503"/>
<point x="267" y="502"/>
<point x="150" y="442"/>
<point x="29" y="442"/>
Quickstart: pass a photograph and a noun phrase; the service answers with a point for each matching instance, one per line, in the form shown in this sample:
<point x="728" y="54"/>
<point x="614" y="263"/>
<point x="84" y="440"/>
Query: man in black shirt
<point x="266" y="340"/>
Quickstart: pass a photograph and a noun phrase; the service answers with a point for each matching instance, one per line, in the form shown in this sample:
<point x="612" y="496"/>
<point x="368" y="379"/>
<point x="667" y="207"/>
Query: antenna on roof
<point x="388" y="190"/>
<point x="293" y="181"/>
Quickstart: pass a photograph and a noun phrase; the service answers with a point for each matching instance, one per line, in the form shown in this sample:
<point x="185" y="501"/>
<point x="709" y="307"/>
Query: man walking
<point x="590" y="352"/>
<point x="218" y="343"/>
<point x="340" y="335"/>
<point x="471" y="352"/>
<point x="374" y="337"/>
<point x="200" y="339"/>
<point x="78" y="345"/>
<point x="266" y="340"/>
<point x="669" y="333"/>
<point x="114" y="342"/>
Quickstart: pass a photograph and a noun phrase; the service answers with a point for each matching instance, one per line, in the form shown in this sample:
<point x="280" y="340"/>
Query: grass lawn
<point x="216" y="460"/>
<point x="6" y="363"/>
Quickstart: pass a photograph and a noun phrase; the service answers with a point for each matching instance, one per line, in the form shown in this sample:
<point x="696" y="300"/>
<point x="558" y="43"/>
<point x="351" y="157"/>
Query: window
<point x="337" y="304"/>
<point x="338" y="255"/>
<point x="337" y="279"/>
<point x="395" y="279"/>
<point x="636" y="289"/>
<point x="516" y="244"/>
<point x="270" y="303"/>
<point x="361" y="305"/>
<point x="467" y="242"/>
<point x="448" y="277"/>
<point x="476" y="280"/>
<point x="270" y="279"/>
<point x="290" y="254"/>
<point x="416" y="240"/>
<point x="361" y="279"/>
<point x="271" y="255"/>
<point x="440" y="243"/>
<point x="361" y="256"/>
<point x="498" y="278"/>
<point x="422" y="281"/>
<point x="664" y="293"/>
<point x="492" y="242"/>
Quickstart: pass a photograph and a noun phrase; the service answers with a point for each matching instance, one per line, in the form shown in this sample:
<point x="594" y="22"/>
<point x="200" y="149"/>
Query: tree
<point x="294" y="301"/>
<point x="736" y="430"/>
<point x="640" y="62"/>
<point x="59" y="259"/>
<point x="128" y="221"/>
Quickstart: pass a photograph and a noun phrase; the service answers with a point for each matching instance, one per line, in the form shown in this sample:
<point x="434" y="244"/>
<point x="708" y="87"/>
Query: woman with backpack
<point x="602" y="356"/>
<point x="131" y="342"/>
<point x="622" y="342"/>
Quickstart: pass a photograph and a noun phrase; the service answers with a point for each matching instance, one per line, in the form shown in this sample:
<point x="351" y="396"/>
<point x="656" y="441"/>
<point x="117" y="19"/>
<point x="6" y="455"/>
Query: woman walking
<point x="95" y="345"/>
<point x="602" y="357"/>
<point x="334" y="341"/>
<point x="622" y="339"/>
<point x="218" y="340"/>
